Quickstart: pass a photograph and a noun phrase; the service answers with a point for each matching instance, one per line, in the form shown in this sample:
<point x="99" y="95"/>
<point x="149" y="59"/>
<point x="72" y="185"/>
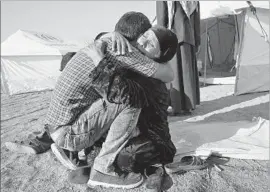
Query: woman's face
<point x="149" y="44"/>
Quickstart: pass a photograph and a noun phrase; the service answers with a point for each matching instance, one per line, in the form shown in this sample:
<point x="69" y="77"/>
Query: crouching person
<point x="153" y="148"/>
<point x="78" y="115"/>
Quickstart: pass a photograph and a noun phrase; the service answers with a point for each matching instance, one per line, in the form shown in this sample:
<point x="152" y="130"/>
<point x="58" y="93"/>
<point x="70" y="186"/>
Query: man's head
<point x="158" y="43"/>
<point x="132" y="24"/>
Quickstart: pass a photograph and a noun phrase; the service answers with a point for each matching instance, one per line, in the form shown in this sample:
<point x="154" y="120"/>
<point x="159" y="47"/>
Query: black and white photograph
<point x="139" y="96"/>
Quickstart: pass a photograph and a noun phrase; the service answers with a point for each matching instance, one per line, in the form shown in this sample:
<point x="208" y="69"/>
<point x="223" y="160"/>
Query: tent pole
<point x="205" y="52"/>
<point x="218" y="30"/>
<point x="237" y="46"/>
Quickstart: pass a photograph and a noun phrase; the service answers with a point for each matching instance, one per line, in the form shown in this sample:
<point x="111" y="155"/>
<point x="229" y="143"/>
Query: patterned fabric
<point x="111" y="82"/>
<point x="74" y="93"/>
<point x="188" y="6"/>
<point x="65" y="59"/>
<point x="128" y="87"/>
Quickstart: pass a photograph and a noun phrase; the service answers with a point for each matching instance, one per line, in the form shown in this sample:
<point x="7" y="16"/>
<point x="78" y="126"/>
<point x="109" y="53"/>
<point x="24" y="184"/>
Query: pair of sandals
<point x="186" y="163"/>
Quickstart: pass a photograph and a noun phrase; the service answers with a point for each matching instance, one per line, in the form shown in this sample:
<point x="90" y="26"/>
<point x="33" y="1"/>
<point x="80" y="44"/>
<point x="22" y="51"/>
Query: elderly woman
<point x="183" y="18"/>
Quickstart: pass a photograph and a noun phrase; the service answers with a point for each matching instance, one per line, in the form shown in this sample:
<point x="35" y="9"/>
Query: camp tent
<point x="232" y="35"/>
<point x="30" y="61"/>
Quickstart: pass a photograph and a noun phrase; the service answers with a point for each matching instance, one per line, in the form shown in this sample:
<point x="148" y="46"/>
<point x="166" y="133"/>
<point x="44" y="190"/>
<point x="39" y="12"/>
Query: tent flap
<point x="31" y="61"/>
<point x="253" y="67"/>
<point x="29" y="74"/>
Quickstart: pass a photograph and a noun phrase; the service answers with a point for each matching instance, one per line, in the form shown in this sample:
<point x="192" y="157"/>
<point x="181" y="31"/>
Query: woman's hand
<point x="119" y="43"/>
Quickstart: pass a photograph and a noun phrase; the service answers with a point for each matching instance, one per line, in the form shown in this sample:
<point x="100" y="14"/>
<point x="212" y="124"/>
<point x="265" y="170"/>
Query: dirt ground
<point x="23" y="114"/>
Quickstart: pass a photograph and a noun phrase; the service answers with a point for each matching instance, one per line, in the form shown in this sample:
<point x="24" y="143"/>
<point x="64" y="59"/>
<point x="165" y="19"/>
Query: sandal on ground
<point x="187" y="163"/>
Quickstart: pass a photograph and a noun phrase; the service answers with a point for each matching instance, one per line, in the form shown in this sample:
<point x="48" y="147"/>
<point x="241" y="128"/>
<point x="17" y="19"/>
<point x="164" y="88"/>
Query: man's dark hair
<point x="132" y="24"/>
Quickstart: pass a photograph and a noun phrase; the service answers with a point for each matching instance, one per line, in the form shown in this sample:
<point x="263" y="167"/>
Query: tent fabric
<point x="23" y="74"/>
<point x="219" y="81"/>
<point x="31" y="61"/>
<point x="238" y="38"/>
<point x="253" y="67"/>
<point x="220" y="8"/>
<point x="241" y="139"/>
<point x="25" y="42"/>
<point x="221" y="39"/>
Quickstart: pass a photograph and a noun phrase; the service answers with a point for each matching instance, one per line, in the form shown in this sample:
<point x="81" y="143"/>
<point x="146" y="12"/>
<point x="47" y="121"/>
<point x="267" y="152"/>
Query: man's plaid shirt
<point x="73" y="92"/>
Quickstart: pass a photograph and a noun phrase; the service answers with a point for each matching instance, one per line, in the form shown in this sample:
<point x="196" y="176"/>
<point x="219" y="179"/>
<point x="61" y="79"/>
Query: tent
<point x="233" y="36"/>
<point x="31" y="61"/>
<point x="239" y="139"/>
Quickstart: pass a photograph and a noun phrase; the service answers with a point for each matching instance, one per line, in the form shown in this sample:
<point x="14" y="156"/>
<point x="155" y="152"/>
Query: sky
<point x="81" y="20"/>
<point x="70" y="20"/>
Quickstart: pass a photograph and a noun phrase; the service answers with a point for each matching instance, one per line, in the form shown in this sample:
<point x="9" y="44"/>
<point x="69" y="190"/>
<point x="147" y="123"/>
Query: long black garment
<point x="126" y="86"/>
<point x="184" y="89"/>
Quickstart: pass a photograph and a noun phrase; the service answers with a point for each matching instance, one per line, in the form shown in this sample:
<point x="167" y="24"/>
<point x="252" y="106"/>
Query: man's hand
<point x="119" y="43"/>
<point x="96" y="51"/>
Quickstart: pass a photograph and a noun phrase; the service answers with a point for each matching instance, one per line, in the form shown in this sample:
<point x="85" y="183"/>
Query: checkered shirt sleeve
<point x="133" y="60"/>
<point x="73" y="92"/>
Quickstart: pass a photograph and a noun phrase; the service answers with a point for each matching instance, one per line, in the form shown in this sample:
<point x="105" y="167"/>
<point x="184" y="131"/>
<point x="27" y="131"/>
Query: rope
<point x="154" y="19"/>
<point x="253" y="10"/>
<point x="263" y="31"/>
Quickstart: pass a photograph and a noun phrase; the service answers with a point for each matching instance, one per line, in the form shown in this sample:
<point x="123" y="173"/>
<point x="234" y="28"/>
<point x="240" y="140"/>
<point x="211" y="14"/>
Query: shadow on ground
<point x="246" y="113"/>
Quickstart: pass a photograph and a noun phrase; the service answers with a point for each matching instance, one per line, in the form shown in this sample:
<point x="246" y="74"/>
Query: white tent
<point x="30" y="61"/>
<point x="239" y="139"/>
<point x="232" y="34"/>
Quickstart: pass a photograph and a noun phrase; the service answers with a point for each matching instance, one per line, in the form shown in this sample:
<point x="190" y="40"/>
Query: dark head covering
<point x="168" y="43"/>
<point x="132" y="24"/>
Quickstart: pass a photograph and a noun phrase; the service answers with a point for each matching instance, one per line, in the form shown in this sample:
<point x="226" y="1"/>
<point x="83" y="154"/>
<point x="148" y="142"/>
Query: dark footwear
<point x="68" y="158"/>
<point x="125" y="181"/>
<point x="33" y="145"/>
<point x="167" y="182"/>
<point x="187" y="163"/>
<point x="155" y="176"/>
<point x="79" y="176"/>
